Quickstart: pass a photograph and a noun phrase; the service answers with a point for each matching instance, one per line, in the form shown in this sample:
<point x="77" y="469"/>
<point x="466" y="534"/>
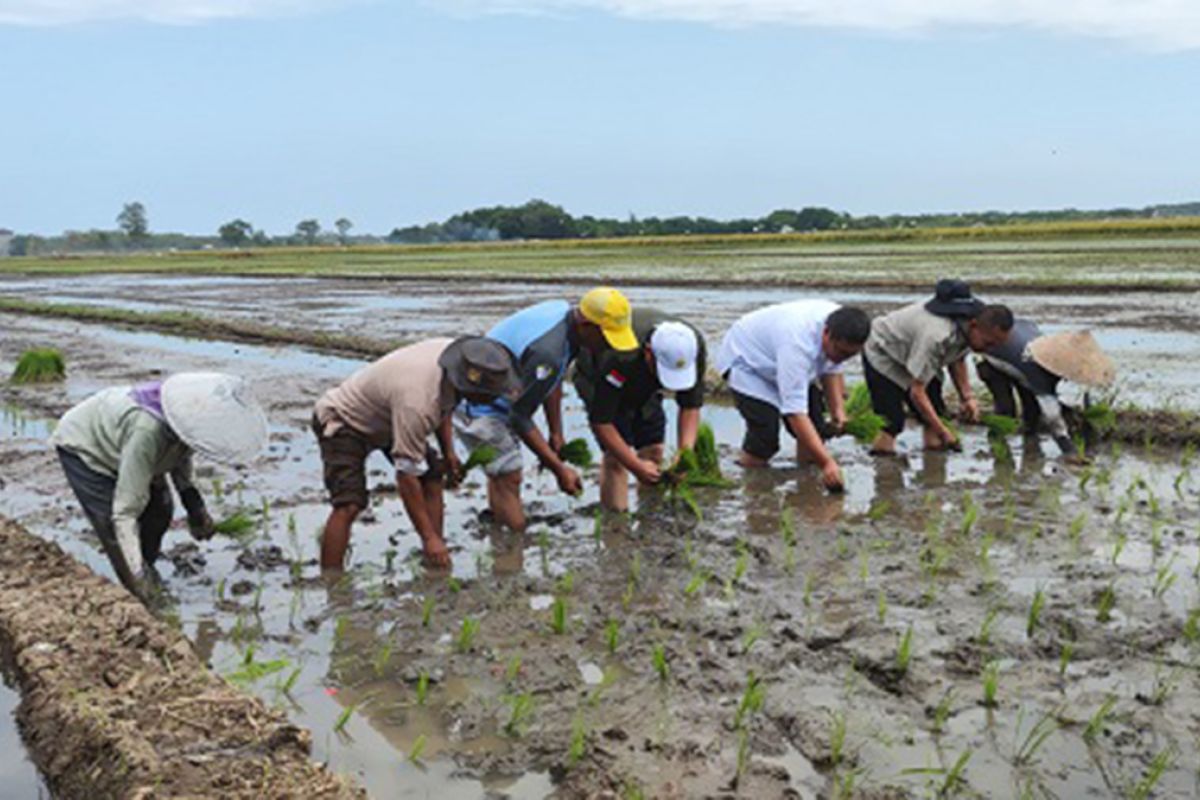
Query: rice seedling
<point x="466" y="634"/>
<point x="422" y="687"/>
<point x="659" y="660"/>
<point x="970" y="515"/>
<point x="1100" y="418"/>
<point x="985" y="552"/>
<point x="1159" y="765"/>
<point x="566" y="582"/>
<point x="696" y="583"/>
<point x="1085" y="477"/>
<point x="453" y="584"/>
<point x="751" y="702"/>
<point x="743" y="560"/>
<point x="543" y="543"/>
<point x="1179" y="481"/>
<point x="417" y="749"/>
<point x="1165" y="578"/>
<point x="627" y="595"/>
<point x="289" y="682"/>
<point x="382" y="656"/>
<point x="863" y="566"/>
<point x="578" y="747"/>
<point x="878" y="510"/>
<point x="558" y="616"/>
<point x="861" y="420"/>
<point x="598" y="526"/>
<point x="1035" y="612"/>
<point x="39" y="365"/>
<point x="480" y="457"/>
<point x="743" y="753"/>
<point x="220" y="590"/>
<point x="837" y="737"/>
<point x="941" y="711"/>
<point x="339" y="725"/>
<point x="1106" y="603"/>
<point x="520" y="710"/>
<point x="808" y="590"/>
<point x="252" y="670"/>
<point x="1064" y="658"/>
<point x="881" y="607"/>
<point x="1165" y="683"/>
<point x="1075" y="529"/>
<point x="1099" y="718"/>
<point x="904" y="651"/>
<point x="577" y="453"/>
<point x="1156" y="540"/>
<point x="1191" y="627"/>
<point x="954" y="776"/>
<point x="513" y="669"/>
<point x="1026" y="748"/>
<point x="612" y="635"/>
<point x="635" y="568"/>
<point x="1188" y="455"/>
<point x="218" y="490"/>
<point x="1118" y="548"/>
<point x="237" y="525"/>
<point x="427" y="610"/>
<point x="991" y="682"/>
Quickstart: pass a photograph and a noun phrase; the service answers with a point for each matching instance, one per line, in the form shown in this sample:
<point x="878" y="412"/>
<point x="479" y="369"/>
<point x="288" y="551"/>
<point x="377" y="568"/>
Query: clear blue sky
<point x="391" y="113"/>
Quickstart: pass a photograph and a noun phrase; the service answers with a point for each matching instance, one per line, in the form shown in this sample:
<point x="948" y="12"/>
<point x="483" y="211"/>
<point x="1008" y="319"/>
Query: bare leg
<point x="504" y="498"/>
<point x="614" y="484"/>
<point x="653" y="452"/>
<point x="336" y="537"/>
<point x="752" y="461"/>
<point x="884" y="445"/>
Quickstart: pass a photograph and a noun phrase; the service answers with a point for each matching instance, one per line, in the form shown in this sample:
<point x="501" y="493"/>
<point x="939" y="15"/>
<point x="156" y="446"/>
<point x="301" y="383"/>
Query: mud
<point x="839" y="717"/>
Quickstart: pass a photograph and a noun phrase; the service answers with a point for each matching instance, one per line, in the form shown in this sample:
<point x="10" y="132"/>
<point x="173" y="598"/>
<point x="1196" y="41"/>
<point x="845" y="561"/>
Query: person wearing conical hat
<point x="394" y="405"/>
<point x="623" y="395"/>
<point x="909" y="348"/>
<point x="545" y="340"/>
<point x="122" y="446"/>
<point x="1030" y="366"/>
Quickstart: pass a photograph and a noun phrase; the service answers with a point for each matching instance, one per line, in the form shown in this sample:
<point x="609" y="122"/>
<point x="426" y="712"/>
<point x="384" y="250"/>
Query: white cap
<point x="216" y="415"/>
<point x="674" y="345"/>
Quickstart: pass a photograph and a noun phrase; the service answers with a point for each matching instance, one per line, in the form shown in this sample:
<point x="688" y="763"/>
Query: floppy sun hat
<point x="216" y="415"/>
<point x="1074" y="355"/>
<point x="952" y="298"/>
<point x="609" y="309"/>
<point x="479" y="364"/>
<point x="674" y="346"/>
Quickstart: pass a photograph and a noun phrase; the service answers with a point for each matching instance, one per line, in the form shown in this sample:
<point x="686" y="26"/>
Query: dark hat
<point x="479" y="364"/>
<point x="953" y="299"/>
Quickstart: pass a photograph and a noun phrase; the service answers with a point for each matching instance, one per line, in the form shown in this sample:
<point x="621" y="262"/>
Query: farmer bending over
<point x="544" y="339"/>
<point x="909" y="348"/>
<point x="394" y="405"/>
<point x="1031" y="365"/>
<point x="118" y="446"/>
<point x="622" y="392"/>
<point x="773" y="359"/>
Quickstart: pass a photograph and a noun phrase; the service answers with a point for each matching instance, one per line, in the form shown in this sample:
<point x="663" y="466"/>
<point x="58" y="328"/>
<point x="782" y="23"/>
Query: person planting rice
<point x="773" y="360"/>
<point x="119" y="446"/>
<point x="395" y="405"/>
<point x="1030" y="366"/>
<point x="908" y="349"/>
<point x="622" y="392"/>
<point x="544" y="339"/>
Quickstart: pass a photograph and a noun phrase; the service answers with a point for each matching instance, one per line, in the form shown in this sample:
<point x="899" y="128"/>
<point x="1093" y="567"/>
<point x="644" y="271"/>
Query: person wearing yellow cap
<point x="1031" y="365"/>
<point x="544" y="339"/>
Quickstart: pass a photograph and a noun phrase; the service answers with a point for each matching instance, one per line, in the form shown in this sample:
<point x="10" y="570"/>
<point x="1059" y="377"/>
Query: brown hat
<point x="1074" y="355"/>
<point x="481" y="365"/>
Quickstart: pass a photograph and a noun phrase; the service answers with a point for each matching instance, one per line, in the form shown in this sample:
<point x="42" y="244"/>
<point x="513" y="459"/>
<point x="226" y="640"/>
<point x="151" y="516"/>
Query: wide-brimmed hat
<point x="216" y="415"/>
<point x="953" y="298"/>
<point x="480" y="365"/>
<point x="610" y="310"/>
<point x="1074" y="355"/>
<point x="675" y="348"/>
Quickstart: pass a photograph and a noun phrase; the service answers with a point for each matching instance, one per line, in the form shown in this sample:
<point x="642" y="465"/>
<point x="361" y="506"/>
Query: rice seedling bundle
<point x="40" y="365"/>
<point x="577" y="452"/>
<point x="861" y="420"/>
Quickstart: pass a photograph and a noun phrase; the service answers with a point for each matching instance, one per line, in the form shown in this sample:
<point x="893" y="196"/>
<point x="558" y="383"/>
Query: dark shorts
<point x="645" y="427"/>
<point x="890" y="401"/>
<point x="95" y="493"/>
<point x="1005" y="390"/>
<point x="764" y="420"/>
<point x="344" y="464"/>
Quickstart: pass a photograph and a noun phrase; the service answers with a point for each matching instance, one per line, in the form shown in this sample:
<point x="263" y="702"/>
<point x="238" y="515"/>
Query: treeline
<point x="538" y="219"/>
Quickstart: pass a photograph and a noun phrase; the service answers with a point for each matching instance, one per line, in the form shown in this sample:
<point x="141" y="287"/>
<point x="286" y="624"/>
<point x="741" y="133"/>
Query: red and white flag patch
<point x="615" y="378"/>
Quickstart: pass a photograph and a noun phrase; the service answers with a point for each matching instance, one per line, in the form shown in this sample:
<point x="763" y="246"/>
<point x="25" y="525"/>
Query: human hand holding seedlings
<point x="437" y="555"/>
<point x="648" y="472"/>
<point x="201" y="525"/>
<point x="422" y="500"/>
<point x="970" y="410"/>
<point x="831" y="476"/>
<point x="568" y="479"/>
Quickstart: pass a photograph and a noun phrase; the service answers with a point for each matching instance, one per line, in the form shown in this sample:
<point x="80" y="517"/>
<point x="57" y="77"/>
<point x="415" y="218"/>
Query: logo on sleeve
<point x="544" y="372"/>
<point x="615" y="378"/>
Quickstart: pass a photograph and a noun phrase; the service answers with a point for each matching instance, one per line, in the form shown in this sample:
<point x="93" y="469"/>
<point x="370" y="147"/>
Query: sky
<point x="401" y="112"/>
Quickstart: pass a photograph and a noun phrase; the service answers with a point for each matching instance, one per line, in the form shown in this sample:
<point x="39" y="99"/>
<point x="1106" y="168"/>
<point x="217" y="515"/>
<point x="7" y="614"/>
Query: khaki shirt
<point x="116" y="437"/>
<point x="395" y="403"/>
<point x="913" y="344"/>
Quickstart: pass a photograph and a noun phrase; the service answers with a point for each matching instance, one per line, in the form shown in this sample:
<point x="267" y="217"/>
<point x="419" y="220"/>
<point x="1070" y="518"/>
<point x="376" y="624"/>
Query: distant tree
<point x="132" y="221"/>
<point x="343" y="226"/>
<point x="308" y="230"/>
<point x="235" y="233"/>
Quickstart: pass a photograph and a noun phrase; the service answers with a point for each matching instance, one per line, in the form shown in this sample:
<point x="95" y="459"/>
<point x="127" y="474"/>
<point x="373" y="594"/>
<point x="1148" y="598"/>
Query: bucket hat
<point x="216" y="415"/>
<point x="481" y="365"/>
<point x="1074" y="355"/>
<point x="953" y="298"/>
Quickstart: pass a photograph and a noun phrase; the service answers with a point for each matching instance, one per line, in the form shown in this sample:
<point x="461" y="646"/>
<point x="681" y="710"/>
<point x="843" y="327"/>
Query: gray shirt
<point x="116" y="437"/>
<point x="914" y="344"/>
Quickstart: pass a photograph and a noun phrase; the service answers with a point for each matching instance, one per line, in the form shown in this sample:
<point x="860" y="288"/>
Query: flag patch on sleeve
<point x="615" y="378"/>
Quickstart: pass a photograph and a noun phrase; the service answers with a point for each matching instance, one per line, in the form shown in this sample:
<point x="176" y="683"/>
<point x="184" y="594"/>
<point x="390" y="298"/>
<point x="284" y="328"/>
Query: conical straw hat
<point x="216" y="415"/>
<point x="1074" y="355"/>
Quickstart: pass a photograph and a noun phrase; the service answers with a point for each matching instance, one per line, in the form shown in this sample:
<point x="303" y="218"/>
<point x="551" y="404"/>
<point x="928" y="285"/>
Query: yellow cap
<point x="609" y="309"/>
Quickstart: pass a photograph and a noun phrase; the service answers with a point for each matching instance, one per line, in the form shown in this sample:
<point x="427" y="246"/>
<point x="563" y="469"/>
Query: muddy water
<point x="808" y="619"/>
<point x="17" y="775"/>
<point x="1153" y="337"/>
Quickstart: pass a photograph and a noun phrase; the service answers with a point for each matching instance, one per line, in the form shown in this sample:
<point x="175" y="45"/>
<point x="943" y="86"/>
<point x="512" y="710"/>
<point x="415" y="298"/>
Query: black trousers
<point x="95" y="493"/>
<point x="763" y="421"/>
<point x="1005" y="391"/>
<point x="889" y="400"/>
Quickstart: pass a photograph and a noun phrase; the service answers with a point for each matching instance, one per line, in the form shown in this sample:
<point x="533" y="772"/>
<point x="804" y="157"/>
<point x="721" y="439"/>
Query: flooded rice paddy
<point x="874" y="623"/>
